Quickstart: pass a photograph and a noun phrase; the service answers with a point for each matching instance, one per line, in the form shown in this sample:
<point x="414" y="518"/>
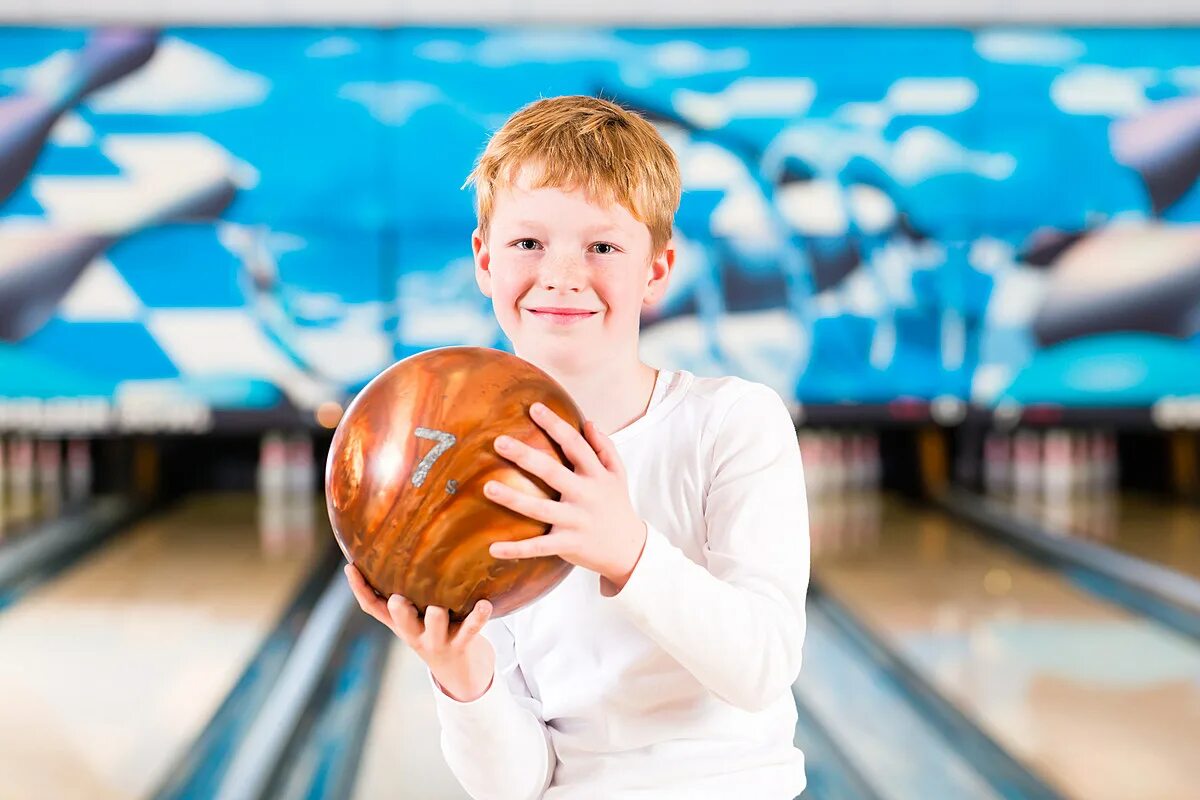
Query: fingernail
<point x="537" y="408"/>
<point x="503" y="442"/>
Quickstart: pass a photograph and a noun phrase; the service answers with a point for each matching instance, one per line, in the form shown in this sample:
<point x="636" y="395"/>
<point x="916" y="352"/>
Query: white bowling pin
<point x="1056" y="469"/>
<point x="300" y="465"/>
<point x="272" y="464"/>
<point x="1027" y="467"/>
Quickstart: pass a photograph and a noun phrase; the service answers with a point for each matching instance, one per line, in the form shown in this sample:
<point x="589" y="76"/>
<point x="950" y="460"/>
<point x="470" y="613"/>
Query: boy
<point x="661" y="667"/>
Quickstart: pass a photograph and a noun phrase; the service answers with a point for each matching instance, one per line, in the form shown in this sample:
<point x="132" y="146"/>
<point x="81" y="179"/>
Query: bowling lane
<point x="110" y="671"/>
<point x="402" y="757"/>
<point x="1102" y="704"/>
<point x="1160" y="530"/>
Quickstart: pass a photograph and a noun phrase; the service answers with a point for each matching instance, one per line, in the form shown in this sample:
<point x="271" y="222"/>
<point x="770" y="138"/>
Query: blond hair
<point x="581" y="142"/>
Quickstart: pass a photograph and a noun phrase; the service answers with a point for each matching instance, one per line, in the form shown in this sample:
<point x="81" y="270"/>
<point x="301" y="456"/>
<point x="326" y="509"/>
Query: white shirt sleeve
<point x="497" y="745"/>
<point x="736" y="622"/>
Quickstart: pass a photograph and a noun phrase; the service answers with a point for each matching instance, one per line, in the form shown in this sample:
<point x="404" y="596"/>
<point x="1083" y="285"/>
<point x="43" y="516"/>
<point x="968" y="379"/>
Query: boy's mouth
<point x="561" y="316"/>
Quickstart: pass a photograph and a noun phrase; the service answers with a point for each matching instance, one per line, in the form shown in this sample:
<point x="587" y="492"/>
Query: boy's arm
<point x="738" y="625"/>
<point x="497" y="745"/>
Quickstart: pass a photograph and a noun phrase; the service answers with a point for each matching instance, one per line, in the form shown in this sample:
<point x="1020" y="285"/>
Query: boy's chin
<point x="560" y="351"/>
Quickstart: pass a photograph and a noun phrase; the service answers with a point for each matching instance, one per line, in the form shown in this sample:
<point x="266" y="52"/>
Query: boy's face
<point x="568" y="278"/>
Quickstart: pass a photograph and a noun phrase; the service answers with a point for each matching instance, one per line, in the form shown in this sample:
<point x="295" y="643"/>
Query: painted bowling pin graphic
<point x="26" y="119"/>
<point x="163" y="178"/>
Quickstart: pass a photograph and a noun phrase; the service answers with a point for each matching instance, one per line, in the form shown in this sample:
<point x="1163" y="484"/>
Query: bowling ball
<point x="406" y="470"/>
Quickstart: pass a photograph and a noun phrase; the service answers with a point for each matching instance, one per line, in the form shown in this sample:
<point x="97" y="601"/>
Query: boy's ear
<point x="660" y="274"/>
<point x="483" y="262"/>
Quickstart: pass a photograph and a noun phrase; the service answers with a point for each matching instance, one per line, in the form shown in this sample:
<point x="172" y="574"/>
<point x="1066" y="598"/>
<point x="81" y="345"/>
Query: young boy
<point x="661" y="667"/>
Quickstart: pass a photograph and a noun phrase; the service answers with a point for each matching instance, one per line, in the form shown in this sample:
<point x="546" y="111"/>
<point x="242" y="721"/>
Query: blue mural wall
<point x="253" y="219"/>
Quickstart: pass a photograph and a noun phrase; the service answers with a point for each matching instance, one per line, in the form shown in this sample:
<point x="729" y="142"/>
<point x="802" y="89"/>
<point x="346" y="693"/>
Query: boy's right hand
<point x="462" y="661"/>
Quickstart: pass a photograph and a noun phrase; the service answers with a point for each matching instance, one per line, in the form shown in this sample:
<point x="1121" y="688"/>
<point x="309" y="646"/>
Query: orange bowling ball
<point x="406" y="470"/>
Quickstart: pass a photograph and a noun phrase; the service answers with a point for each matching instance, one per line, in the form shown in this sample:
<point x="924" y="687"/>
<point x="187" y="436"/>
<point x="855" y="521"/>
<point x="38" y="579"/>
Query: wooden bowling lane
<point x="402" y="757"/>
<point x="1156" y="529"/>
<point x="110" y="671"/>
<point x="1100" y="703"/>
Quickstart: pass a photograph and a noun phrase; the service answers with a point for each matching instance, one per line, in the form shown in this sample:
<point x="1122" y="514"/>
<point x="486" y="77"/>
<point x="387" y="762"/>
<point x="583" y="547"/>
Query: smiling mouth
<point x="557" y="313"/>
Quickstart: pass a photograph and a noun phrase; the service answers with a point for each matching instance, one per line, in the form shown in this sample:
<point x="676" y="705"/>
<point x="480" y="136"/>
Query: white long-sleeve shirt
<point x="678" y="686"/>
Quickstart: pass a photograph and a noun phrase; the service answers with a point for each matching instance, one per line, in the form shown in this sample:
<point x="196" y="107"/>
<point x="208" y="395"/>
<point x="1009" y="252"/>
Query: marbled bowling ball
<point x="406" y="471"/>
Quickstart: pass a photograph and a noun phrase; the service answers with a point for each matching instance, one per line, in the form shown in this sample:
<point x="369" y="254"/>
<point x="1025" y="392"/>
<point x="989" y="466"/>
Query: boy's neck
<point x="612" y="396"/>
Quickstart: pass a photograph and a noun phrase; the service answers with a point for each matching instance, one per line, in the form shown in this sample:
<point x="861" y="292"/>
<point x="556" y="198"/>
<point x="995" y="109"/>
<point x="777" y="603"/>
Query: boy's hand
<point x="462" y="661"/>
<point x="594" y="525"/>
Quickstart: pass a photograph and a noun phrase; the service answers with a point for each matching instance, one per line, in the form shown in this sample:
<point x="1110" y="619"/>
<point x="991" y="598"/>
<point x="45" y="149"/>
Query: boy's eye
<point x="526" y="244"/>
<point x="604" y="248"/>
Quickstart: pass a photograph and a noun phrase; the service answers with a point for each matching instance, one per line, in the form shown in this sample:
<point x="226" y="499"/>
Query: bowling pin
<point x="273" y="493"/>
<point x="1026" y="470"/>
<point x="1027" y="455"/>
<point x="1056" y="469"/>
<point x="300" y="512"/>
<point x="272" y="464"/>
<point x="806" y="441"/>
<point x="299" y="470"/>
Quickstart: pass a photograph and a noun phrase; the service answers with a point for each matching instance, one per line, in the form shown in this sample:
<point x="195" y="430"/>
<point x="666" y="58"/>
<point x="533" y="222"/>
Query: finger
<point x="437" y="625"/>
<point x="368" y="601"/>
<point x="403" y="616"/>
<point x="543" y="509"/>
<point x="606" y="451"/>
<point x="537" y="462"/>
<point x="550" y="544"/>
<point x="577" y="449"/>
<point x="473" y="624"/>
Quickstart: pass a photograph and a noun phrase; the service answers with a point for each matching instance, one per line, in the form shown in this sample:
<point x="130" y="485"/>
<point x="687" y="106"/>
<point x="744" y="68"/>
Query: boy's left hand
<point x="594" y="525"/>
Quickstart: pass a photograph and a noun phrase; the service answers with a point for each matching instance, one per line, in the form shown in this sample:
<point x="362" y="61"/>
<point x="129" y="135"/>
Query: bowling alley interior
<point x="961" y="244"/>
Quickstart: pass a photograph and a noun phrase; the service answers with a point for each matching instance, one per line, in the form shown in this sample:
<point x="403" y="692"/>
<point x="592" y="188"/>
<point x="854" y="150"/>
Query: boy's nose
<point x="562" y="272"/>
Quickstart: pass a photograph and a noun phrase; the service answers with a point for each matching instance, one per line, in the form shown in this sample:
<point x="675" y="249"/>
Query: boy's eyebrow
<point x="592" y="231"/>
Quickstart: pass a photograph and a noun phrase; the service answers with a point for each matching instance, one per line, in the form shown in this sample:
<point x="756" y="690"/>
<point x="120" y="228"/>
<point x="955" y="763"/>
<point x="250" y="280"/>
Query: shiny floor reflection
<point x="1101" y="703"/>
